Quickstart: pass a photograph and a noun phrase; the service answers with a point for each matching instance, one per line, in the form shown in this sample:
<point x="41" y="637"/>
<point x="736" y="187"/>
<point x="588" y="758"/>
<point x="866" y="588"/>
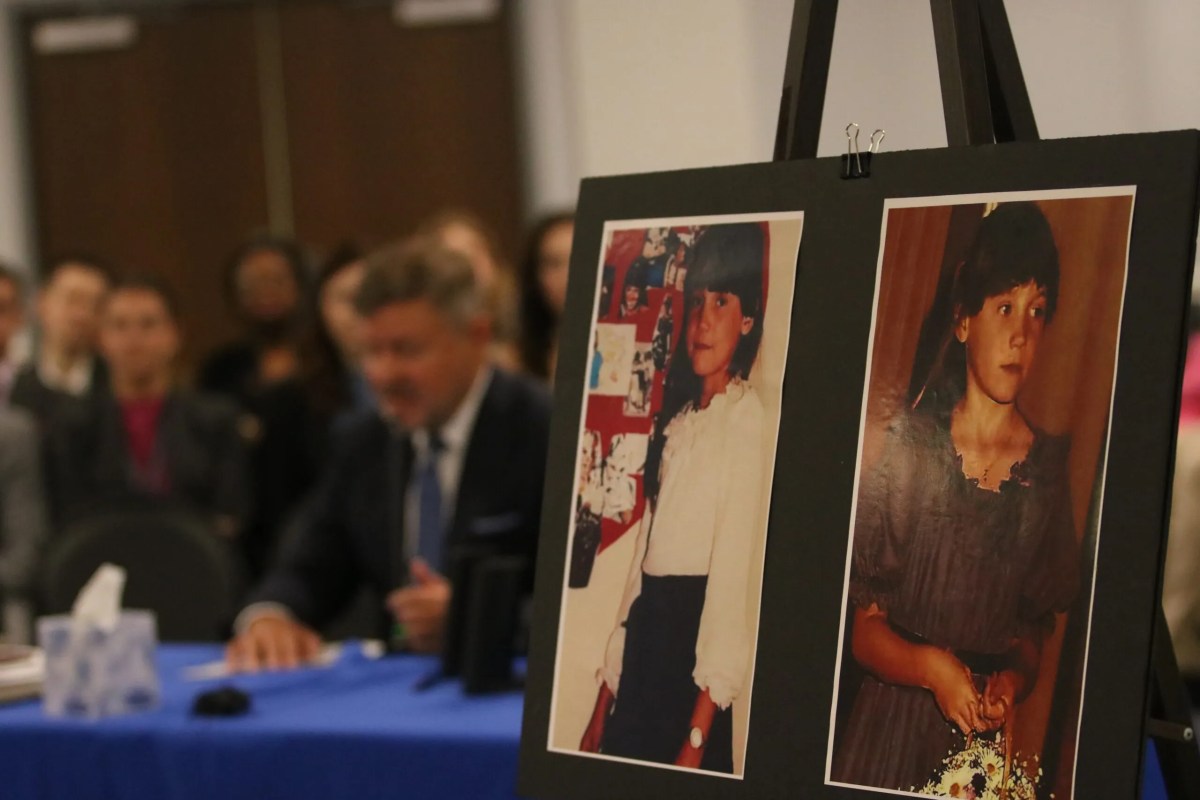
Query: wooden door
<point x="314" y="117"/>
<point x="388" y="124"/>
<point x="151" y="157"/>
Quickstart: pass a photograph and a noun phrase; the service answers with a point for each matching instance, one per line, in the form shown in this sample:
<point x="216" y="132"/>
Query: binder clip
<point x="856" y="164"/>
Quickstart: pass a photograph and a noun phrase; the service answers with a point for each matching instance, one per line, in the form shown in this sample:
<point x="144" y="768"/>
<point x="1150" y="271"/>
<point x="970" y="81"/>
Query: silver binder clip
<point x="876" y="140"/>
<point x="856" y="164"/>
<point x="853" y="160"/>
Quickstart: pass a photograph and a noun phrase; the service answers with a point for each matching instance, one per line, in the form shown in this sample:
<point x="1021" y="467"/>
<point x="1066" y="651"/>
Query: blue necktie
<point x="429" y="524"/>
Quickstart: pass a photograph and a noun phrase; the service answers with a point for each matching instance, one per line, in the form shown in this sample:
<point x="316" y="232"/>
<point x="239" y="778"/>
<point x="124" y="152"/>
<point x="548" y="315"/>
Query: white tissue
<point x="100" y="660"/>
<point x="99" y="601"/>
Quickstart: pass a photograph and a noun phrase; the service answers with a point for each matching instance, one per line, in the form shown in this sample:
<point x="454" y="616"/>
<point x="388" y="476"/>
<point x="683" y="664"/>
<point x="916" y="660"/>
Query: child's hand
<point x="689" y="756"/>
<point x="593" y="734"/>
<point x="954" y="690"/>
<point x="999" y="696"/>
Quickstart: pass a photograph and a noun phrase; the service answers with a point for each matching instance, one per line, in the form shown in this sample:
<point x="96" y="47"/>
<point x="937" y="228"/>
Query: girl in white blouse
<point x="680" y="652"/>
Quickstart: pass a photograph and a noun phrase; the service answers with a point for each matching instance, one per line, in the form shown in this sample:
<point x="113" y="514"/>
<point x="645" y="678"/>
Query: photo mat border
<point x="610" y="226"/>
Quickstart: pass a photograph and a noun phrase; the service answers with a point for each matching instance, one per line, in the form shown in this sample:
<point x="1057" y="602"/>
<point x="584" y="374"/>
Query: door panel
<point x="154" y="157"/>
<point x="151" y="157"/>
<point x="389" y="124"/>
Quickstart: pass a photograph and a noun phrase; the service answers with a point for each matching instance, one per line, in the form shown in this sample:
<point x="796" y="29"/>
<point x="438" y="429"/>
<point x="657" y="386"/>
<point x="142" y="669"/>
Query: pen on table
<point x="430" y="679"/>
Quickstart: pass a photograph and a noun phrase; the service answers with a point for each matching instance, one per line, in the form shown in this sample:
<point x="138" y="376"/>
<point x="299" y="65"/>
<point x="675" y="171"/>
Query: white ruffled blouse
<point x="707" y="518"/>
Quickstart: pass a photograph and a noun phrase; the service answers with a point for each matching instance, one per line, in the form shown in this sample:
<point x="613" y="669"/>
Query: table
<point x="356" y="730"/>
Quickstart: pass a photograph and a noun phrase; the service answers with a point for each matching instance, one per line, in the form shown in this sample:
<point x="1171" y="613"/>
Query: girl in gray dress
<point x="964" y="546"/>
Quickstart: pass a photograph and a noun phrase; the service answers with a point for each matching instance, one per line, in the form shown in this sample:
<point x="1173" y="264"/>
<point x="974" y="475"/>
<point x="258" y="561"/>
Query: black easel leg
<point x="1012" y="112"/>
<point x="984" y="98"/>
<point x="962" y="69"/>
<point x="805" y="76"/>
<point x="1170" y="720"/>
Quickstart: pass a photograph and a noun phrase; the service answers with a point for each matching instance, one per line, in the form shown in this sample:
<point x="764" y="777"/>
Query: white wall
<point x="660" y="84"/>
<point x="663" y="84"/>
<point x="15" y="246"/>
<point x="613" y="86"/>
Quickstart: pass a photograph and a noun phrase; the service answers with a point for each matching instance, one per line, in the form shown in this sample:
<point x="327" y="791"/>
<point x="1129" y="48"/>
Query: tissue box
<point x="91" y="672"/>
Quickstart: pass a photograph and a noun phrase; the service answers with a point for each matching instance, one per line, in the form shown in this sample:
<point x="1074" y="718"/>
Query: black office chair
<point x="175" y="566"/>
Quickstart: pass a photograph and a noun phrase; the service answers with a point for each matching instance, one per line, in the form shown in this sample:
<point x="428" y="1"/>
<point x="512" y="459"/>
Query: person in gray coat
<point x="23" y="526"/>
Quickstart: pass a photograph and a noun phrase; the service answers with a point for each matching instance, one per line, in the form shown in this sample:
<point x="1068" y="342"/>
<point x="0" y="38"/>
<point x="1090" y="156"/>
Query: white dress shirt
<point x="456" y="436"/>
<point x="74" y="380"/>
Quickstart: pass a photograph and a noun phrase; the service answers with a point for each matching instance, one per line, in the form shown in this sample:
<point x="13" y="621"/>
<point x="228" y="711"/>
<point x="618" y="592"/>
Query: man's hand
<point x="272" y="641"/>
<point x="421" y="607"/>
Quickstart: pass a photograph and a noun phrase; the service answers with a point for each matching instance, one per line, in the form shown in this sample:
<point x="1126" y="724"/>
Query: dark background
<point x="822" y="402"/>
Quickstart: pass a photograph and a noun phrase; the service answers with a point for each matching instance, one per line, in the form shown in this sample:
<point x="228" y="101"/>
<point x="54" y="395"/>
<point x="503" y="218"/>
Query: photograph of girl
<point x="656" y="653"/>
<point x="977" y="509"/>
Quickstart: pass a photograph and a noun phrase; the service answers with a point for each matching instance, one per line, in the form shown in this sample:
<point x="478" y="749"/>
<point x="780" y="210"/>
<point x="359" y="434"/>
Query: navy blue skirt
<point x="651" y="717"/>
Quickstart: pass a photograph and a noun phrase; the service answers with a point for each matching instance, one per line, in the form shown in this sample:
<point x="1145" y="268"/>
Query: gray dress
<point x="954" y="565"/>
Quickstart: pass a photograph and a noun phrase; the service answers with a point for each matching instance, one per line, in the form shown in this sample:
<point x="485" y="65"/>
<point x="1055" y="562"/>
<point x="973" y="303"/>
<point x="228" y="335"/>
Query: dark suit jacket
<point x="351" y="531"/>
<point x="231" y="371"/>
<point x="286" y="454"/>
<point x="89" y="468"/>
<point x="29" y="393"/>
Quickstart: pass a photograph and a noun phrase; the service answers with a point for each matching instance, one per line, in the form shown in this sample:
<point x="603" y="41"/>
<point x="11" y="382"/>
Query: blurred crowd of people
<point x="101" y="414"/>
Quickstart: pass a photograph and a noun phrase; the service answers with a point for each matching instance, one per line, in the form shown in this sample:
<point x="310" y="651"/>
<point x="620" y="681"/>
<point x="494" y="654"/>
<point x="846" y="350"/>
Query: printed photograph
<point x="978" y="498"/>
<point x="660" y="606"/>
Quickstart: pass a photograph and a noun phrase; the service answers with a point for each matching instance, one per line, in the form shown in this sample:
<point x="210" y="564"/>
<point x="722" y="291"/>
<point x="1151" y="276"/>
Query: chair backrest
<point x="175" y="567"/>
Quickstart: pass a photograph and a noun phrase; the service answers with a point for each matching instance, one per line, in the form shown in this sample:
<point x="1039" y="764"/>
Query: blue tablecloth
<point x="355" y="730"/>
<point x="1153" y="787"/>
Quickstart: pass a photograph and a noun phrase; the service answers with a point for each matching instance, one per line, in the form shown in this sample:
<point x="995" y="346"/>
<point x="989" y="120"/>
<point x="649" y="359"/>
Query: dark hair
<point x="148" y="282"/>
<point x="287" y="249"/>
<point x="74" y="261"/>
<point x="323" y="371"/>
<point x="726" y="258"/>
<point x="636" y="277"/>
<point x="1012" y="246"/>
<point x="608" y="280"/>
<point x="539" y="322"/>
<point x="420" y="268"/>
<point x="10" y="275"/>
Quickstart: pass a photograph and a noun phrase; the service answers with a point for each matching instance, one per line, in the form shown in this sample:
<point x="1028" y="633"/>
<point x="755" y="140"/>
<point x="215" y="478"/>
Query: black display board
<point x="819" y="439"/>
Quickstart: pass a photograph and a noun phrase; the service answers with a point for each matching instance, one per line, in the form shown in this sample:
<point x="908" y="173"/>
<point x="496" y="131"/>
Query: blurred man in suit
<point x="454" y="456"/>
<point x="143" y="439"/>
<point x="12" y="317"/>
<point x="65" y="365"/>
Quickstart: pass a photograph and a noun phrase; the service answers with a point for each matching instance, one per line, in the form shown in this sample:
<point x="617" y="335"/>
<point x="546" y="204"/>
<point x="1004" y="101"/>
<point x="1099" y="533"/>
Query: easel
<point x="984" y="100"/>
